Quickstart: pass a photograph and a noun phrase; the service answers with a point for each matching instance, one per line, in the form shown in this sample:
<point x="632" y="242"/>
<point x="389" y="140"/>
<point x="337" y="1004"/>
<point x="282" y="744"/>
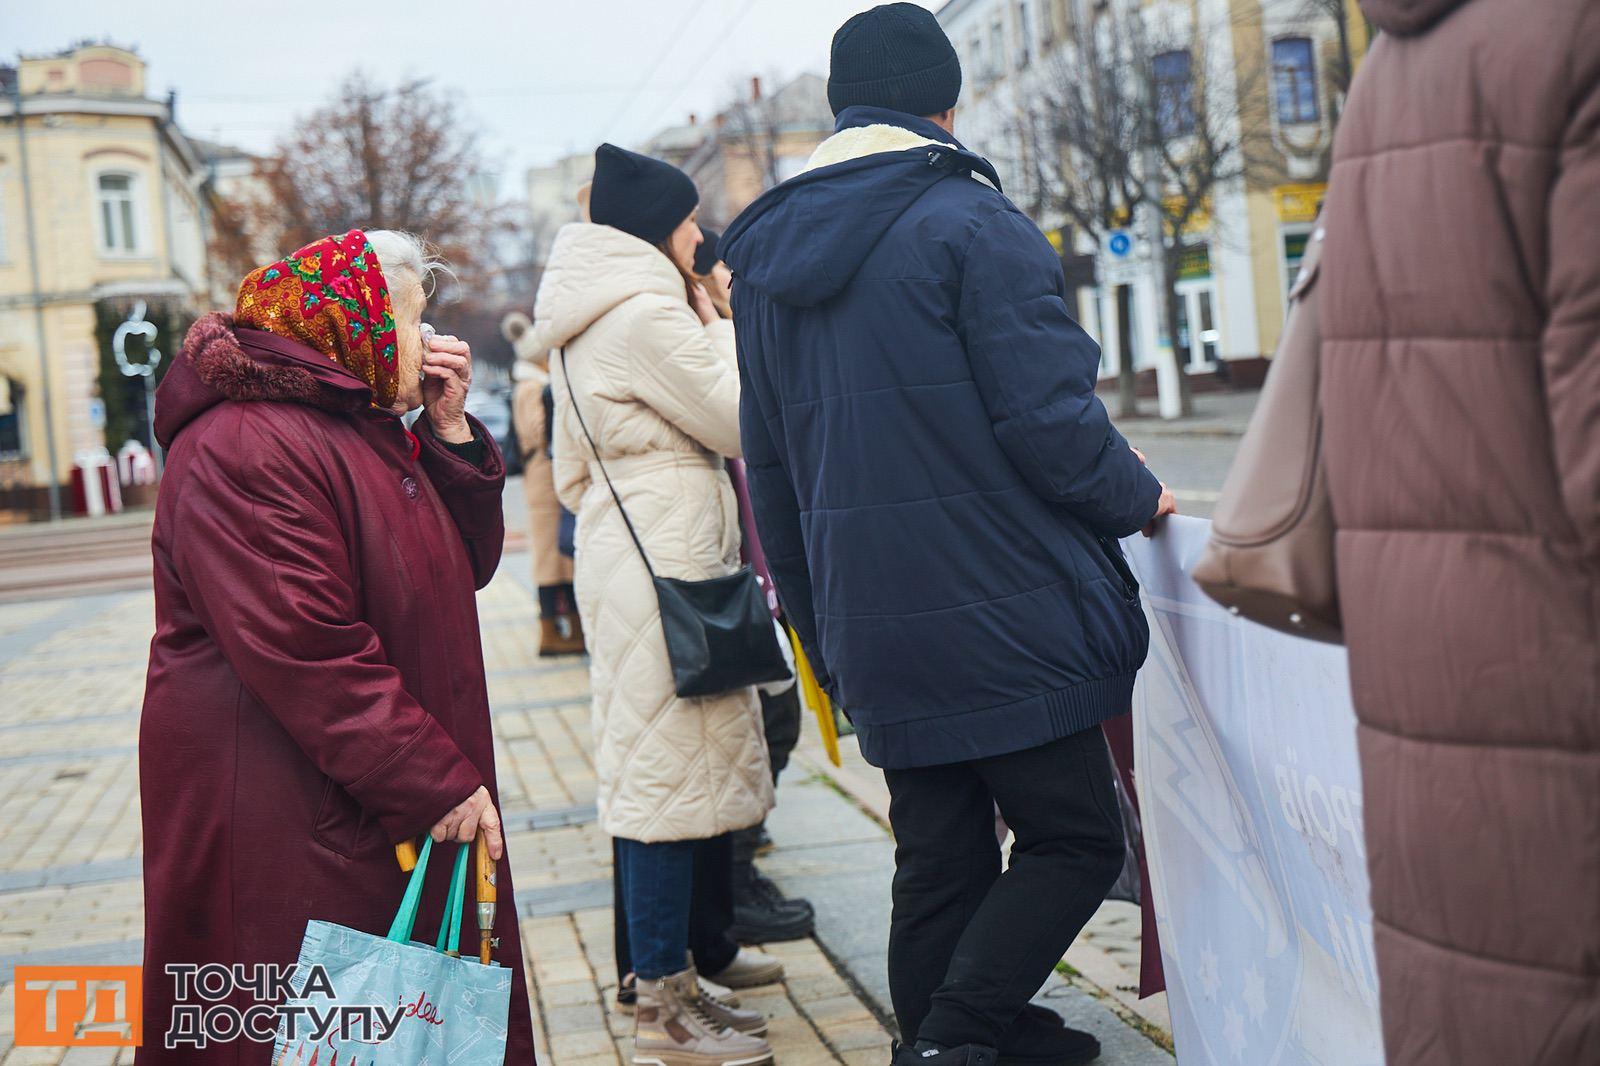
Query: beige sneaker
<point x="748" y="1022"/>
<point x="628" y="994"/>
<point x="750" y="968"/>
<point x="674" y="1027"/>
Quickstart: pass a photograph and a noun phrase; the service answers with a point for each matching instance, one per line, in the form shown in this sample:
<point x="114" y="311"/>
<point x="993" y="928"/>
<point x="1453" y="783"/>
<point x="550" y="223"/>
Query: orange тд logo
<point x="78" y="1006"/>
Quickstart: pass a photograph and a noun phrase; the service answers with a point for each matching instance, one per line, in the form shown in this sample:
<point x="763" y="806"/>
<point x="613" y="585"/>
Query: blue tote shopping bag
<point x="451" y="1010"/>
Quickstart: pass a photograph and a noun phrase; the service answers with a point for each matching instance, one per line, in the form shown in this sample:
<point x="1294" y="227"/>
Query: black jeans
<point x="710" y="908"/>
<point x="969" y="945"/>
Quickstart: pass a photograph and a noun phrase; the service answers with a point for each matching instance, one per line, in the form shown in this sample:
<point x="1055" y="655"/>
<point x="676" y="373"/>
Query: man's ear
<point x="945" y="120"/>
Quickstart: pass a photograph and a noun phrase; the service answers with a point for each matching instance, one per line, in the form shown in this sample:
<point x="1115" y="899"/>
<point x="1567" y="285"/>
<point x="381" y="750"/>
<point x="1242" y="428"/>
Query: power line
<point x="720" y="42"/>
<point x="661" y="57"/>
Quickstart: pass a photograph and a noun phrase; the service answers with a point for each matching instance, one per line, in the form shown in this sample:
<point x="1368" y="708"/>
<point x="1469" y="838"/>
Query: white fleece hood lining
<point x="859" y="141"/>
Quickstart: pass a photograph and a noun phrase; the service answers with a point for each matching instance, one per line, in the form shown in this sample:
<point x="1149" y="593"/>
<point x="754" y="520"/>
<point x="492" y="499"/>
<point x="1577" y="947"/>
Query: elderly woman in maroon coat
<point x="316" y="689"/>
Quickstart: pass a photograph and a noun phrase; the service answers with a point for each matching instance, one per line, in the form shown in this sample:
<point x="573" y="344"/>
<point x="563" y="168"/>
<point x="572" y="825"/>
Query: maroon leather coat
<point x="316" y="688"/>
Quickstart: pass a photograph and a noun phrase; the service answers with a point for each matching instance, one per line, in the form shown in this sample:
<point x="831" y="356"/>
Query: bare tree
<point x="755" y="135"/>
<point x="1132" y="118"/>
<point x="1077" y="143"/>
<point x="1209" y="125"/>
<point x="753" y="127"/>
<point x="380" y="157"/>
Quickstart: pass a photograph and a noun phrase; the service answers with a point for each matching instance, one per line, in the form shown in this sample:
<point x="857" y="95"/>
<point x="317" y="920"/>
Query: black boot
<point x="928" y="1054"/>
<point x="761" y="913"/>
<point x="1040" y="1038"/>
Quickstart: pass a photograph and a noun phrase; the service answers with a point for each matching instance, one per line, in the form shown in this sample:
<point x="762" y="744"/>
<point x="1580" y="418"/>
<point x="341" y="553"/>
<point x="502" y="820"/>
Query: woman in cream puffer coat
<point x="655" y="380"/>
<point x="660" y="393"/>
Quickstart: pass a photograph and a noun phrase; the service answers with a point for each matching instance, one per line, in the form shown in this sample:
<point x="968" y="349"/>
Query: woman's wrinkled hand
<point x="447" y="364"/>
<point x="462" y="824"/>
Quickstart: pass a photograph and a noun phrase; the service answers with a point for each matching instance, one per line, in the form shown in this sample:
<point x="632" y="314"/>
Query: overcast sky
<point x="541" y="78"/>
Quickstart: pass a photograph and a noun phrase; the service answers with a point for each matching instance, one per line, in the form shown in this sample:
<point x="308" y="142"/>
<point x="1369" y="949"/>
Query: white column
<point x="1110" y="335"/>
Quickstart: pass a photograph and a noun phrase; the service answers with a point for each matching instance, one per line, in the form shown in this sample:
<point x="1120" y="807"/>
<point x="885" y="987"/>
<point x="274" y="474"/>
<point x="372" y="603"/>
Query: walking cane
<point x="486" y="901"/>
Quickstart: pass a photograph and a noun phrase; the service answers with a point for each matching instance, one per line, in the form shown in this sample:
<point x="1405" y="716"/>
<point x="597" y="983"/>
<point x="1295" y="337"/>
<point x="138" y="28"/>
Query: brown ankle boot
<point x="673" y="1026"/>
<point x="552" y="641"/>
<point x="575" y="629"/>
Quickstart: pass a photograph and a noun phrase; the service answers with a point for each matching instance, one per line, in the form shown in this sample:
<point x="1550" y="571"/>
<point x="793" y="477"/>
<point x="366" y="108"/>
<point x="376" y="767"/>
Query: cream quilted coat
<point x="660" y="393"/>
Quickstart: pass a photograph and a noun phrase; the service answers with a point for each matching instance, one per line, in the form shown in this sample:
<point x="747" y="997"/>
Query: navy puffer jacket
<point x="938" y="490"/>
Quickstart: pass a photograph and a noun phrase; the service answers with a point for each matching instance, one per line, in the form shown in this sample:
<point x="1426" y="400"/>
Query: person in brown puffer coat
<point x="560" y="628"/>
<point x="1461" y="405"/>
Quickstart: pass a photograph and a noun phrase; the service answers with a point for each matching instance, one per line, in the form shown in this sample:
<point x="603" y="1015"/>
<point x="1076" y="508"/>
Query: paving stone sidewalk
<point x="71" y="680"/>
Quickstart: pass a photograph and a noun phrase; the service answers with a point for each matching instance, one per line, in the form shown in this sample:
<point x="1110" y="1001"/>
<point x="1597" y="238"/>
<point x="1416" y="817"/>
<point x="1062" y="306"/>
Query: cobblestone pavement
<point x="71" y="679"/>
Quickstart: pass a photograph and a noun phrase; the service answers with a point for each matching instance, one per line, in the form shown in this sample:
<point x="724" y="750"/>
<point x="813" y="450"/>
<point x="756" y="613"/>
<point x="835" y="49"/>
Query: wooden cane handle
<point x="406" y="853"/>
<point x="486" y="870"/>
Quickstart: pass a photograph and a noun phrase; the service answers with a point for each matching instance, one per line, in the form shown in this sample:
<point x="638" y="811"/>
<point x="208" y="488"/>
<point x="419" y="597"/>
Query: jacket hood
<point x="1406" y="17"/>
<point x="220" y="361"/>
<point x="591" y="270"/>
<point x="802" y="241"/>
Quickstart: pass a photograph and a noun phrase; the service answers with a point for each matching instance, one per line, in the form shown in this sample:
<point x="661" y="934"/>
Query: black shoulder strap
<point x="573" y="396"/>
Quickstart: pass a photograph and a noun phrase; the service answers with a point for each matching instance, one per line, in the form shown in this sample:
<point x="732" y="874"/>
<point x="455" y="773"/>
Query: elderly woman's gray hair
<point x="406" y="258"/>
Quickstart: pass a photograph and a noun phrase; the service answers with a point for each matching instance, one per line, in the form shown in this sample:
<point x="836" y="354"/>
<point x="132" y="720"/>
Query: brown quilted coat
<point x="1461" y="395"/>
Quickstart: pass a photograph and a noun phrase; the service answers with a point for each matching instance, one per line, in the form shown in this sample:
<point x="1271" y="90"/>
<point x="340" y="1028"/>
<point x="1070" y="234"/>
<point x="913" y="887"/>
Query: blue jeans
<point x="657" y="882"/>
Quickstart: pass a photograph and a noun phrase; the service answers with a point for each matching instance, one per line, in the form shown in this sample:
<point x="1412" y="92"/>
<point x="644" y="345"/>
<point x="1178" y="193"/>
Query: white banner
<point x="1250" y="791"/>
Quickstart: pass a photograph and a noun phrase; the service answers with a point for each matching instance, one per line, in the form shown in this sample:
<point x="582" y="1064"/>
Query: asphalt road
<point x="1193" y="465"/>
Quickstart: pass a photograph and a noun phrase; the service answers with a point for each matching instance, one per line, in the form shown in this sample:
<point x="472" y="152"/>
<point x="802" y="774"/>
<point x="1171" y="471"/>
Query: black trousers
<point x="968" y="944"/>
<point x="710" y="908"/>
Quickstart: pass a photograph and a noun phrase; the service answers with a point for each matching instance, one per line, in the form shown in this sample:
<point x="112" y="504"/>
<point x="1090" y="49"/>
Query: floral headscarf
<point x="331" y="296"/>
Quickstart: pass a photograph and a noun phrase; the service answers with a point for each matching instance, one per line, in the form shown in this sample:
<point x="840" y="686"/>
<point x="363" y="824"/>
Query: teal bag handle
<point x="452" y="908"/>
<point x="405" y="919"/>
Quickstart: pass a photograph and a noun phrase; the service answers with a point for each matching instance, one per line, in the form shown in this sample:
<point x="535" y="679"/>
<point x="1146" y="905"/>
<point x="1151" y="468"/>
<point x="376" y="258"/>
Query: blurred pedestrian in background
<point x="532" y="403"/>
<point x="940" y="494"/>
<point x="646" y="397"/>
<point x="1460" y="397"/>
<point x="316" y="690"/>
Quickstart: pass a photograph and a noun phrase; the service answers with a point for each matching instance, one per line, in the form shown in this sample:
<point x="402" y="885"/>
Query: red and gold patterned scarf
<point x="331" y="296"/>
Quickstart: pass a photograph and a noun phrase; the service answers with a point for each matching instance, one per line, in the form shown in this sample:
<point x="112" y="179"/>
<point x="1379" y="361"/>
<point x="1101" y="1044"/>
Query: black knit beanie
<point x="639" y="195"/>
<point x="895" y="56"/>
<point x="705" y="256"/>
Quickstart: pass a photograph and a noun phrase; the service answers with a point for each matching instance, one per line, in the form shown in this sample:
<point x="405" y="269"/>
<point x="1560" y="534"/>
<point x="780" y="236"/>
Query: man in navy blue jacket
<point x="940" y="496"/>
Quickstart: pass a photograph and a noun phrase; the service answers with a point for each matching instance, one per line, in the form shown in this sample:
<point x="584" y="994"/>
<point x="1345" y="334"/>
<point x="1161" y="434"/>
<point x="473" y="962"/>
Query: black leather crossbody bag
<point x="719" y="633"/>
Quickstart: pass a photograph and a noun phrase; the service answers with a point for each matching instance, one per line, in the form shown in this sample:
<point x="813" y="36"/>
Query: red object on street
<point x="96" y="489"/>
<point x="1152" y="978"/>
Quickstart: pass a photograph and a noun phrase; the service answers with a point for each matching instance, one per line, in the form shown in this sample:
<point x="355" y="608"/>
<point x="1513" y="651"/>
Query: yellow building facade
<point x="103" y="204"/>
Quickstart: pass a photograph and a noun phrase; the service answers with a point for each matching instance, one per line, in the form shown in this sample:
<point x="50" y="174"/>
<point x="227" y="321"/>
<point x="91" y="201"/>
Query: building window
<point x="1294" y="80"/>
<point x="1174" y="93"/>
<point x="1024" y="35"/>
<point x="119" y="233"/>
<point x="997" y="49"/>
<point x="13" y="419"/>
<point x="1294" y="250"/>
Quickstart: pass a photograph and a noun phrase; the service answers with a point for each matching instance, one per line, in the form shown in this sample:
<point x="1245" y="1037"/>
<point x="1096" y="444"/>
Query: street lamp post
<point x="137" y="323"/>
